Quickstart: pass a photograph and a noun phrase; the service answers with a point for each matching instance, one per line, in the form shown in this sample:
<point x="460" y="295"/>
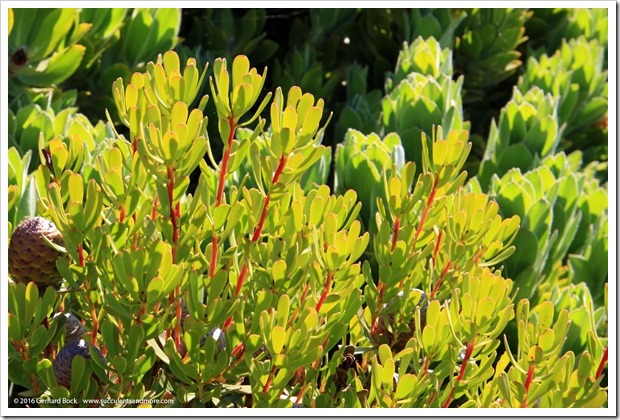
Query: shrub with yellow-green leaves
<point x="252" y="289"/>
<point x="421" y="94"/>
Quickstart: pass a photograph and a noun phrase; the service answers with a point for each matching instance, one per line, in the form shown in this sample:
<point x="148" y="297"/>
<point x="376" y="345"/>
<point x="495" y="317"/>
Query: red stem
<point x="240" y="280"/>
<point x="468" y="353"/>
<point x="175" y="216"/>
<point x="395" y="236"/>
<point x="258" y="230"/>
<point x="80" y="250"/>
<point x="436" y="250"/>
<point x="155" y="204"/>
<point x="225" y="159"/>
<point x="431" y="198"/>
<point x="425" y="366"/>
<point x="213" y="254"/>
<point x="173" y="213"/>
<point x="276" y="176"/>
<point x="528" y="382"/>
<point x="432" y="398"/>
<point x="220" y="191"/>
<point x="443" y="274"/>
<point x="238" y="350"/>
<point x="602" y="364"/>
<point x="380" y="291"/>
<point x="121" y="217"/>
<point x="179" y="312"/>
<point x="328" y="285"/>
<point x="140" y="312"/>
<point x="242" y="275"/>
<point x="268" y="383"/>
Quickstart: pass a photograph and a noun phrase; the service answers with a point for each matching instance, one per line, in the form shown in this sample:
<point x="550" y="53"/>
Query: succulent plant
<point x="424" y="56"/>
<point x="528" y="130"/>
<point x="576" y="77"/>
<point x="557" y="206"/>
<point x="418" y="103"/>
<point x="360" y="165"/>
<point x="315" y="175"/>
<point x="31" y="254"/>
<point x="486" y="49"/>
<point x="33" y="128"/>
<point x="63" y="362"/>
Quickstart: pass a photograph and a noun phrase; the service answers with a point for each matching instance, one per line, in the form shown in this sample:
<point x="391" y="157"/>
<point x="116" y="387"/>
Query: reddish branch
<point x="268" y="383"/>
<point x="328" y="285"/>
<point x="440" y="280"/>
<point x="459" y="378"/>
<point x="263" y="215"/>
<point x="175" y="216"/>
<point x="528" y="382"/>
<point x="437" y="244"/>
<point x="220" y="191"/>
<point x="173" y="213"/>
<point x="395" y="236"/>
<point x="80" y="250"/>
<point x="602" y="364"/>
<point x="226" y="159"/>
<point x="155" y="204"/>
<point x="425" y="366"/>
<point x="429" y="203"/>
<point x="257" y="231"/>
<point x="380" y="291"/>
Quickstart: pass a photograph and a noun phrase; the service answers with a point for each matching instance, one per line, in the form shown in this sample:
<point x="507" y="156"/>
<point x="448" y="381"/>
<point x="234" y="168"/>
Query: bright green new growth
<point x="418" y="103"/>
<point x="528" y="130"/>
<point x="422" y="56"/>
<point x="360" y="163"/>
<point x="575" y="75"/>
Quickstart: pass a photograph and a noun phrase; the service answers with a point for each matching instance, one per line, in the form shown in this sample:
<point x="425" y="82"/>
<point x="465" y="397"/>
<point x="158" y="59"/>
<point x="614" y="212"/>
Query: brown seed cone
<point x="30" y="257"/>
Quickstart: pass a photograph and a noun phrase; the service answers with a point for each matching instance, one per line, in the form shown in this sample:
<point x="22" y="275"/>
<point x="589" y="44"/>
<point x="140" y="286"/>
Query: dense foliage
<point x="308" y="208"/>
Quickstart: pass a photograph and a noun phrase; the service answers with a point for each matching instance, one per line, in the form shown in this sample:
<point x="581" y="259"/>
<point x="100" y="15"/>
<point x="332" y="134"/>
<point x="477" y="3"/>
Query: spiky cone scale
<point x="64" y="359"/>
<point x="31" y="258"/>
<point x="73" y="327"/>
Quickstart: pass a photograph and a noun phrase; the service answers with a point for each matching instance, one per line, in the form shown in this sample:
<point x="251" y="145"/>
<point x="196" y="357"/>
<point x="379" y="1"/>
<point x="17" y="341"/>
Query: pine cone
<point x="30" y="257"/>
<point x="64" y="358"/>
<point x="218" y="336"/>
<point x="73" y="327"/>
